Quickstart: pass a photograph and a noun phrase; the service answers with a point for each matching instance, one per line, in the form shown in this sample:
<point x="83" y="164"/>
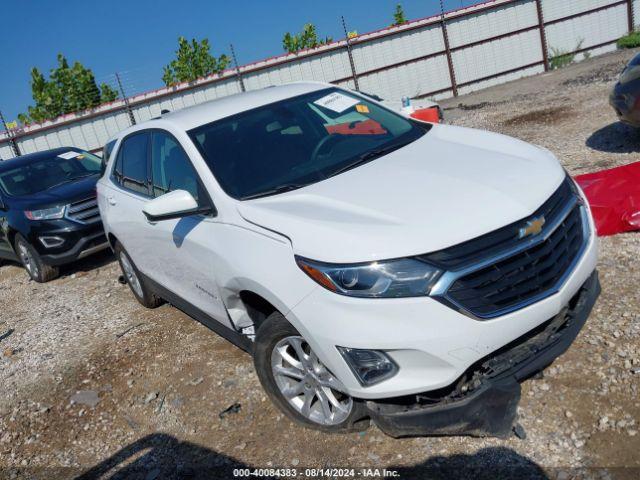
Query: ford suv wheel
<point x="299" y="383"/>
<point x="38" y="270"/>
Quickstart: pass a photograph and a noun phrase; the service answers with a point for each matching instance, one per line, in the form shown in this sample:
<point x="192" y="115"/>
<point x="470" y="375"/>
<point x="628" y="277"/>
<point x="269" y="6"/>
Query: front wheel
<point x="299" y="383"/>
<point x="38" y="270"/>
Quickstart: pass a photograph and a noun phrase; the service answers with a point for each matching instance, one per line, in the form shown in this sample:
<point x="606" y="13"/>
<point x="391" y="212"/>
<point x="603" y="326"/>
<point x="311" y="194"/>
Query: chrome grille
<point x="84" y="211"/>
<point x="500" y="272"/>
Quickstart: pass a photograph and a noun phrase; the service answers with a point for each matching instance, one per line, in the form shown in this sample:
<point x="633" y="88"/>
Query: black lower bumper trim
<point x="90" y="243"/>
<point x="490" y="408"/>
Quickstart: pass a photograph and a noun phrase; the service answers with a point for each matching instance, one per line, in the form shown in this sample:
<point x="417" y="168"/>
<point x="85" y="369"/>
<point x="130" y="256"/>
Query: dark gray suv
<point x="625" y="96"/>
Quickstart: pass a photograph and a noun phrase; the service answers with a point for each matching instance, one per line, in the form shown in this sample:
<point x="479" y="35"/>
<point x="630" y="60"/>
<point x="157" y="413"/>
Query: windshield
<point x="46" y="173"/>
<point x="298" y="141"/>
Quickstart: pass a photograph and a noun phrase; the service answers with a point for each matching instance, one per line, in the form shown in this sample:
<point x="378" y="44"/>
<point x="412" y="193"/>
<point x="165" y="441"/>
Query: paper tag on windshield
<point x="336" y="101"/>
<point x="69" y="155"/>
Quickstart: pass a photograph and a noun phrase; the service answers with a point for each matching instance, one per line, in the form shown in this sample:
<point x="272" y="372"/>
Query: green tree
<point x="193" y="60"/>
<point x="398" y="16"/>
<point x="68" y="89"/>
<point x="307" y="38"/>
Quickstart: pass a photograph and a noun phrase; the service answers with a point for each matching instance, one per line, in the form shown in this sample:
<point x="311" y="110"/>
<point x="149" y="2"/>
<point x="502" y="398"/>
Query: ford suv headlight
<point x="52" y="213"/>
<point x="406" y="277"/>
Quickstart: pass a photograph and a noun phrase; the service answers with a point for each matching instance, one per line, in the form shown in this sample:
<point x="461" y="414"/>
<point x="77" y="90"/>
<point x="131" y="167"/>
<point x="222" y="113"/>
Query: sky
<point x="138" y="37"/>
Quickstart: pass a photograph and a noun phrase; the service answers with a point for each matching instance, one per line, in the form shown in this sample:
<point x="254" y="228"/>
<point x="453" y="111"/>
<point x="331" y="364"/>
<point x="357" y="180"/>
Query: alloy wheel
<point x="307" y="385"/>
<point x="130" y="274"/>
<point x="27" y="259"/>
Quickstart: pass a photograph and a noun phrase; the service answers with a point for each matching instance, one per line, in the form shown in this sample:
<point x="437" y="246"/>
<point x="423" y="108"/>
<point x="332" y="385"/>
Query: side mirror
<point x="176" y="204"/>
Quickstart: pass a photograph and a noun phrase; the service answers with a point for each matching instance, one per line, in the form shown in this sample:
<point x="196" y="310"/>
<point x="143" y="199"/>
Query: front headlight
<point x="630" y="74"/>
<point x="52" y="213"/>
<point x="406" y="277"/>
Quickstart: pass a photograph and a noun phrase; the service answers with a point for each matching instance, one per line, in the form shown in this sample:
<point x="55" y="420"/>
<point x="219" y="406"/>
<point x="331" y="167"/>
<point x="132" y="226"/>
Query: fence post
<point x="126" y="101"/>
<point x="235" y="62"/>
<point x="632" y="22"/>
<point x="12" y="140"/>
<point x="543" y="35"/>
<point x="447" y="48"/>
<point x="353" y="65"/>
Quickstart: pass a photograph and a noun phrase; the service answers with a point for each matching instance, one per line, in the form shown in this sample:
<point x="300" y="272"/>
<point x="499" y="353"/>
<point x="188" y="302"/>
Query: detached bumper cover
<point x="484" y="400"/>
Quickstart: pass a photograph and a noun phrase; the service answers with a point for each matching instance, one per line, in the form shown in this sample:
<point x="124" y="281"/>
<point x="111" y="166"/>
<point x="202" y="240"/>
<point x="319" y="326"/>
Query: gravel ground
<point x="94" y="384"/>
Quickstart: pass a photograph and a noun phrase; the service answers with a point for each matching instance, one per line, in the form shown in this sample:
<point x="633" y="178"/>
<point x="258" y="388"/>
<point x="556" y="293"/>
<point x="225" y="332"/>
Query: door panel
<point x="125" y="195"/>
<point x="183" y="262"/>
<point x="181" y="249"/>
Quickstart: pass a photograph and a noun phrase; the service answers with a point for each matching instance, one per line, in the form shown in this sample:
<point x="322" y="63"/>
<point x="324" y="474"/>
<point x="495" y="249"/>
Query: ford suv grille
<point x="84" y="211"/>
<point x="501" y="272"/>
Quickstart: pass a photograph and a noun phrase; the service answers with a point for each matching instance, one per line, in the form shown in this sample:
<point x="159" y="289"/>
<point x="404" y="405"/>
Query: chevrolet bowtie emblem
<point x="533" y="227"/>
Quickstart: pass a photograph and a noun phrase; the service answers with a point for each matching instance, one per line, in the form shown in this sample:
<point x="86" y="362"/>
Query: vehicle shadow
<point x="162" y="456"/>
<point x="615" y="138"/>
<point x="491" y="463"/>
<point x="97" y="260"/>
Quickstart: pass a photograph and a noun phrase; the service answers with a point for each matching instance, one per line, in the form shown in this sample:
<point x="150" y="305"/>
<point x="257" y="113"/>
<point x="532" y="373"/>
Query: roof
<point x="34" y="157"/>
<point x="191" y="117"/>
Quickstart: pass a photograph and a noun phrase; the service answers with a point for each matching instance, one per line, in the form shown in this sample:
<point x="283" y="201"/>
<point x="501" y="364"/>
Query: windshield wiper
<point x="367" y="157"/>
<point x="287" y="187"/>
<point x="71" y="180"/>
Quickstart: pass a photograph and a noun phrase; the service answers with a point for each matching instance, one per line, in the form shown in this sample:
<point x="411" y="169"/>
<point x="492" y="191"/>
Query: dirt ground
<point x="94" y="385"/>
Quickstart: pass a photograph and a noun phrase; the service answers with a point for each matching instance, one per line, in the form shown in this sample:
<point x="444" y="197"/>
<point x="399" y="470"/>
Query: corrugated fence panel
<point x="636" y="13"/>
<point x="555" y="9"/>
<point x="325" y="67"/>
<point x="5" y="151"/>
<point x="587" y="30"/>
<point x="492" y="58"/>
<point x="491" y="23"/>
<point x="399" y="48"/>
<point x="501" y="79"/>
<point x="412" y="79"/>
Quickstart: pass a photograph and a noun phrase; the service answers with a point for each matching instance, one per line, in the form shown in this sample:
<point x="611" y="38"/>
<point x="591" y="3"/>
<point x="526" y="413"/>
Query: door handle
<point x="111" y="200"/>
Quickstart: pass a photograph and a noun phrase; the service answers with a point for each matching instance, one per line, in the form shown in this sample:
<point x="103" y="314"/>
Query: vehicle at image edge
<point x="625" y="95"/>
<point x="48" y="210"/>
<point x="397" y="271"/>
<point x="414" y="105"/>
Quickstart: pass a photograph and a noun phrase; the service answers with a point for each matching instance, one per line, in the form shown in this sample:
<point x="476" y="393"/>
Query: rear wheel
<point x="299" y="383"/>
<point x="38" y="270"/>
<point x="136" y="283"/>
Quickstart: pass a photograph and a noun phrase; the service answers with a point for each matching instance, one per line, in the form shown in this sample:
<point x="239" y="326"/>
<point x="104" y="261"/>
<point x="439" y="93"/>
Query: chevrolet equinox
<point x="376" y="267"/>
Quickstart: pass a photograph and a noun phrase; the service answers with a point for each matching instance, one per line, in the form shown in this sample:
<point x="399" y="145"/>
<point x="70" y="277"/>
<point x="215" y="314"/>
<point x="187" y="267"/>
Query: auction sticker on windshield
<point x="336" y="101"/>
<point x="69" y="155"/>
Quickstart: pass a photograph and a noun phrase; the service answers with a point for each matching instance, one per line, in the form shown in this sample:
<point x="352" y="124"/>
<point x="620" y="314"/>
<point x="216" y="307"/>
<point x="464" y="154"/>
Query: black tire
<point x="274" y="329"/>
<point x="143" y="294"/>
<point x="32" y="261"/>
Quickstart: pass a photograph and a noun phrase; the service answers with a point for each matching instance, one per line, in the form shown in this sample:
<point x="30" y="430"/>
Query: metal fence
<point x="436" y="57"/>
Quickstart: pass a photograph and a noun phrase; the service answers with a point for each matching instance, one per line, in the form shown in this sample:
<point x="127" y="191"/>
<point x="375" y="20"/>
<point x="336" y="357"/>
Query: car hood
<point x="60" y="195"/>
<point x="451" y="185"/>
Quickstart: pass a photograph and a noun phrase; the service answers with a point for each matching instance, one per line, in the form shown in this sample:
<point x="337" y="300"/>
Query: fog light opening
<point x="369" y="366"/>
<point x="51" y="242"/>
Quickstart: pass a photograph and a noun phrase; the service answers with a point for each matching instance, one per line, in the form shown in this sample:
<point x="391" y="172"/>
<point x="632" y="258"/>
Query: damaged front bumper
<point x="484" y="400"/>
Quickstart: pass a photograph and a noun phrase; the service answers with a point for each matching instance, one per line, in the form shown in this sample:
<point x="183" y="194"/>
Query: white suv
<point x="374" y="266"/>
